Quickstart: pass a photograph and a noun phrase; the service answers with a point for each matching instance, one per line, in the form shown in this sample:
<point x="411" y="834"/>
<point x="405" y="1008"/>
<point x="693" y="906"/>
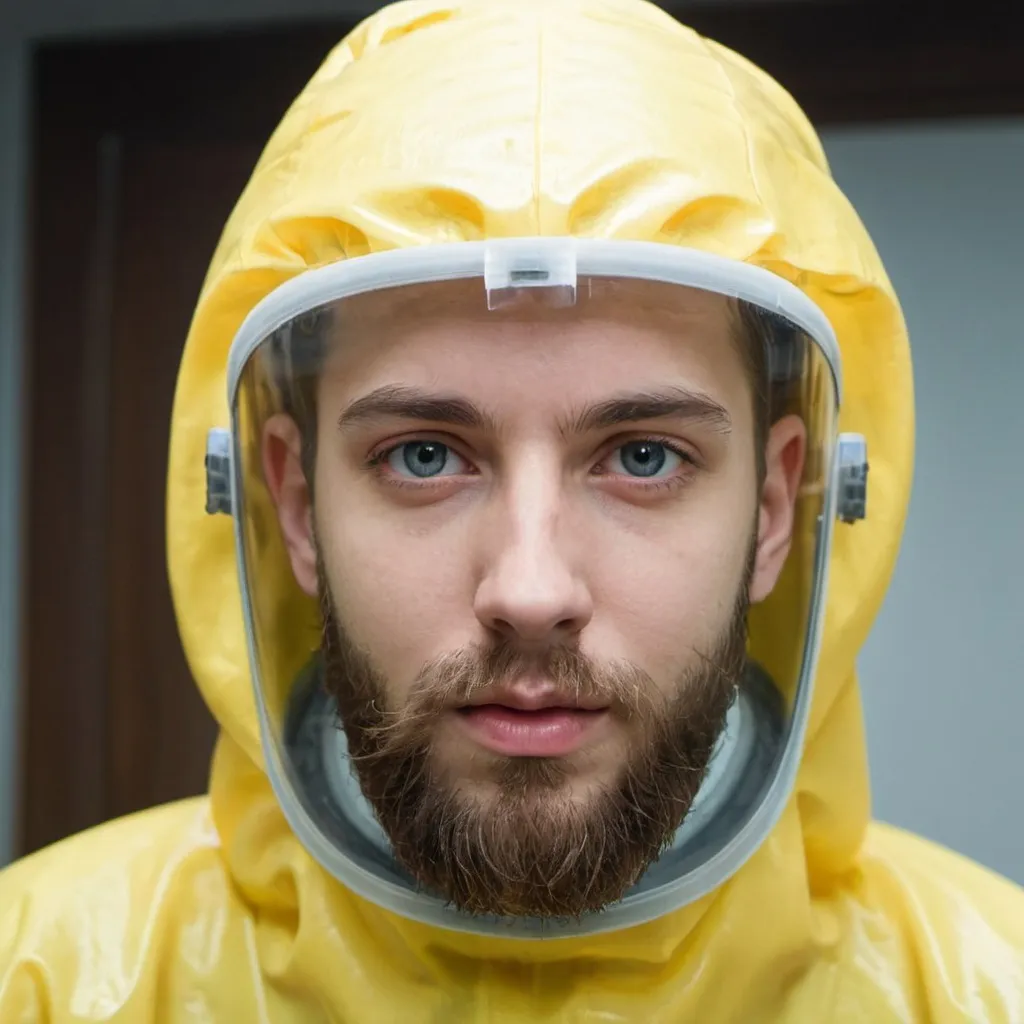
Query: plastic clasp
<point x="852" y="479"/>
<point x="546" y="269"/>
<point x="218" y="472"/>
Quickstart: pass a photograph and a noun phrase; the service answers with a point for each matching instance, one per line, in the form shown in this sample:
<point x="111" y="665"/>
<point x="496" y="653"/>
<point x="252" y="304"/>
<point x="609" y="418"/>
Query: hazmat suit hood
<point x="434" y="123"/>
<point x="602" y="119"/>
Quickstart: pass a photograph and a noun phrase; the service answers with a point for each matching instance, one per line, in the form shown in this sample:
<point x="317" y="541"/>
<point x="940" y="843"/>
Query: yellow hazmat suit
<point x="435" y="123"/>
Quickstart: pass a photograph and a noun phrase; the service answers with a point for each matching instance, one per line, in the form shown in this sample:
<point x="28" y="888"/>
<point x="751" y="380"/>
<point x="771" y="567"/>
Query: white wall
<point x="940" y="672"/>
<point x="943" y="673"/>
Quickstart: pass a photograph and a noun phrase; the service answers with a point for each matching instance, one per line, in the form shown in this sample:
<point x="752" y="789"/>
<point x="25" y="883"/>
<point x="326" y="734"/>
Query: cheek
<point x="400" y="593"/>
<point x="669" y="589"/>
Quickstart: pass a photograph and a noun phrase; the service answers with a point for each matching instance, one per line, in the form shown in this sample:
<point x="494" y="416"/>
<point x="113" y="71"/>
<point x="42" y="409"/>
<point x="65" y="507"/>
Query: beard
<point x="530" y="849"/>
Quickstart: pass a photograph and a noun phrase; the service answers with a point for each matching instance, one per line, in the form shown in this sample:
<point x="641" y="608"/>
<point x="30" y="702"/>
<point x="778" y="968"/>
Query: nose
<point x="530" y="591"/>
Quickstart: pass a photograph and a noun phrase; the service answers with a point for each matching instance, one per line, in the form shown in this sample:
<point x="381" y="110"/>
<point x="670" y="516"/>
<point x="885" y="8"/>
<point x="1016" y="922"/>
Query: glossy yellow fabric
<point x="506" y="117"/>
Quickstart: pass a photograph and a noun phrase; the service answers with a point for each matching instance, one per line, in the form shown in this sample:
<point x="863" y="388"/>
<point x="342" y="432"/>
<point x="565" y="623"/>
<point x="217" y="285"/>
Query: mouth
<point x="521" y="724"/>
<point x="535" y="698"/>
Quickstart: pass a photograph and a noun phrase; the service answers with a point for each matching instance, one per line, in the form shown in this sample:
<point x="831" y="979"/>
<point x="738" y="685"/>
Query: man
<point x="535" y="664"/>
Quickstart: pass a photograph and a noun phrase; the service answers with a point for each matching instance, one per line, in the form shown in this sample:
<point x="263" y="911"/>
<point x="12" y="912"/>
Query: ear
<point x="785" y="451"/>
<point x="289" y="490"/>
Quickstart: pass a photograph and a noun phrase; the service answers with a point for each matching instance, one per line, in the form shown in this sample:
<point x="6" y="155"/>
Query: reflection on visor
<point x="388" y="402"/>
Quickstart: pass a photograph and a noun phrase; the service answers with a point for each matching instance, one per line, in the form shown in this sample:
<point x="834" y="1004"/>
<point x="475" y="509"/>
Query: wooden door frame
<point x="844" y="62"/>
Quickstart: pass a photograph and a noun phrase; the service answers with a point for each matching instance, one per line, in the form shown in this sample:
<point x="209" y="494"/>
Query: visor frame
<point x="556" y="263"/>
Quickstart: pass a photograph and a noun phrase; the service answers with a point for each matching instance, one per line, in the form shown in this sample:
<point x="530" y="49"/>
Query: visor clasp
<point x="852" y="479"/>
<point x="546" y="268"/>
<point x="218" y="472"/>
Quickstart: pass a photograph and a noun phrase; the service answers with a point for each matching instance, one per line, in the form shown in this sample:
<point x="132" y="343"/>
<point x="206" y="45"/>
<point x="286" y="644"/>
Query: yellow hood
<point x="598" y="118"/>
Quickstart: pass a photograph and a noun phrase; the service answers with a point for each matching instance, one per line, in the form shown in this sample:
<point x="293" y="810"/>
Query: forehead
<point x="614" y="331"/>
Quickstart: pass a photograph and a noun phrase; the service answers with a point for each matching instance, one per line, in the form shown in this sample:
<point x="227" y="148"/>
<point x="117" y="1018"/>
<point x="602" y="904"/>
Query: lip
<point x="533" y="698"/>
<point x="546" y="730"/>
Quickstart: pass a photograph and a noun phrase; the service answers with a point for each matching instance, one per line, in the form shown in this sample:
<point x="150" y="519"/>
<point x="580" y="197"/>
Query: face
<point x="534" y="536"/>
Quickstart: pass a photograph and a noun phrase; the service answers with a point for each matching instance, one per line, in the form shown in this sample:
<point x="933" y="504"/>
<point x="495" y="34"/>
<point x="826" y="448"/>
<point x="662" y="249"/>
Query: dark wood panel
<point x="63" y="735"/>
<point x="123" y="223"/>
<point x="160" y="733"/>
<point x="864" y="60"/>
<point x="876" y="61"/>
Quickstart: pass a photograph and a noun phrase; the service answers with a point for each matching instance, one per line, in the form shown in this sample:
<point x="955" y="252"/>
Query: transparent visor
<point x="439" y="469"/>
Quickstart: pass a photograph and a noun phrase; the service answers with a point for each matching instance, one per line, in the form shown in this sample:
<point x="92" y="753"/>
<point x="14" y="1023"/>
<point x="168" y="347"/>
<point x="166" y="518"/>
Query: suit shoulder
<point x="95" y="907"/>
<point x="945" y="933"/>
<point x="943" y="882"/>
<point x="109" y="853"/>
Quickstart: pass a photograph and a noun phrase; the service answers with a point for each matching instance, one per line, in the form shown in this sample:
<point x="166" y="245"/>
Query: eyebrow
<point x="412" y="403"/>
<point x="668" y="403"/>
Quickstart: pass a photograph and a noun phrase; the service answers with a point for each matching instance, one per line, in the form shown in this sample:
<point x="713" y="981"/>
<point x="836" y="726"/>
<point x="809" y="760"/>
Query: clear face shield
<point x="533" y="539"/>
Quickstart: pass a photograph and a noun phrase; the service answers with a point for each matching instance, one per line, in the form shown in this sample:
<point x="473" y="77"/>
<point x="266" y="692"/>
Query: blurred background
<point x="128" y="129"/>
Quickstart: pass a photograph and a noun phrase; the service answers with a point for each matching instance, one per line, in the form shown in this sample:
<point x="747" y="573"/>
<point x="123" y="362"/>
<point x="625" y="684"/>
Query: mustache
<point x="455" y="679"/>
<point x="459" y="677"/>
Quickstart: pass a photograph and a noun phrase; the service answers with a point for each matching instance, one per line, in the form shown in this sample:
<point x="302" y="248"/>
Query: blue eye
<point x="424" y="459"/>
<point x="645" y="459"/>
